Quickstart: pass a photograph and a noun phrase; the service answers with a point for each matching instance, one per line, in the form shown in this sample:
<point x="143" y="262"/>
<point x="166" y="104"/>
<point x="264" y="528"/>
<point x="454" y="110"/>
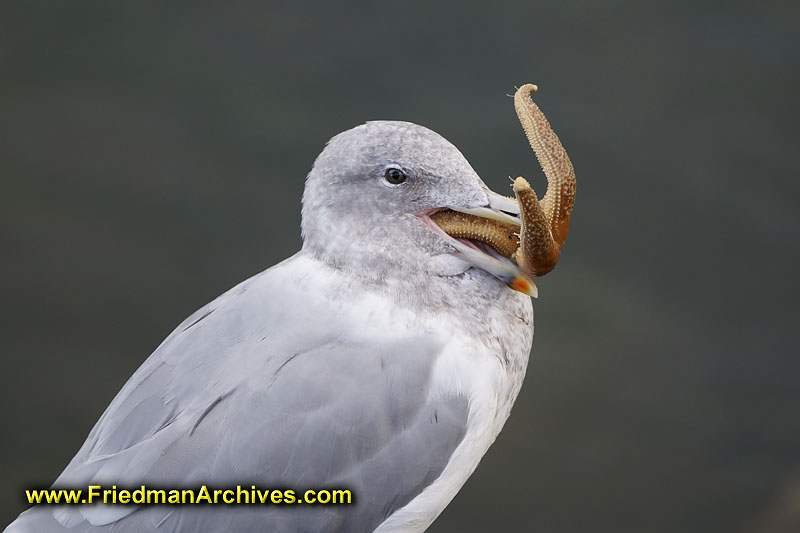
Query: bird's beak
<point x="483" y="252"/>
<point x="515" y="239"/>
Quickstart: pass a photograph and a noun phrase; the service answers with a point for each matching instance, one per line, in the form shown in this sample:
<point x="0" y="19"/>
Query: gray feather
<point x="293" y="401"/>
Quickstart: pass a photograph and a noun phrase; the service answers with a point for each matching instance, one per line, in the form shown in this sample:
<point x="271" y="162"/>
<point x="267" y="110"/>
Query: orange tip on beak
<point x="524" y="286"/>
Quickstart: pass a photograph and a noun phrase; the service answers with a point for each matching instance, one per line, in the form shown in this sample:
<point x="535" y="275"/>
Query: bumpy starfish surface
<point x="536" y="246"/>
<point x="545" y="224"/>
<point x="501" y="236"/>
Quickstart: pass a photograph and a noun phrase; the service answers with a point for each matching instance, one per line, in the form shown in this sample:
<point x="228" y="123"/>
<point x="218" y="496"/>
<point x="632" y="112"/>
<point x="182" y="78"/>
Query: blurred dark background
<point x="153" y="155"/>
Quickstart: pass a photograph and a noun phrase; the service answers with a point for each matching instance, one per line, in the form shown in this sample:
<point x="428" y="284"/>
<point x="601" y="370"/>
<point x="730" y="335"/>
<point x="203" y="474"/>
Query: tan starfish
<point x="545" y="224"/>
<point x="536" y="245"/>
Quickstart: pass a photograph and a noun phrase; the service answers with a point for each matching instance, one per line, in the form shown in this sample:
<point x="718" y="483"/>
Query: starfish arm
<point x="547" y="221"/>
<point x="537" y="253"/>
<point x="560" y="197"/>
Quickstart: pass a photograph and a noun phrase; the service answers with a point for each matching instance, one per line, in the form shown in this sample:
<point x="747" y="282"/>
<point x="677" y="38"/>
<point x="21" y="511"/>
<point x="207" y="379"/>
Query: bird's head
<point x="370" y="197"/>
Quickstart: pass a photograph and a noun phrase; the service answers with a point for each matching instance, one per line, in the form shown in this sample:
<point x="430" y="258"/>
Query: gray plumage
<point x="331" y="369"/>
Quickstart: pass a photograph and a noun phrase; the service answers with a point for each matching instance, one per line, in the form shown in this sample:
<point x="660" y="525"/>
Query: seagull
<point x="384" y="357"/>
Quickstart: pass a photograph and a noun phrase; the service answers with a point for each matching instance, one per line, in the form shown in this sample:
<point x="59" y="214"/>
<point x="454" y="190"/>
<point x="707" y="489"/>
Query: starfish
<point x="545" y="224"/>
<point x="534" y="241"/>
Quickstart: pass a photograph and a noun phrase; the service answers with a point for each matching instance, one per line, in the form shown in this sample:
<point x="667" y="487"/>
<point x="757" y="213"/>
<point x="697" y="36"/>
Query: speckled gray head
<point x="367" y="195"/>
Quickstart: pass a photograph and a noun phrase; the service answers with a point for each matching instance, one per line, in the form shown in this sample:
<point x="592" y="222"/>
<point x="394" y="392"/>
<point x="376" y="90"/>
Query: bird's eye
<point x="394" y="176"/>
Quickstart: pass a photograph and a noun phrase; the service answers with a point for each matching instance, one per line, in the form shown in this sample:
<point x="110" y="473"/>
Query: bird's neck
<point x="477" y="302"/>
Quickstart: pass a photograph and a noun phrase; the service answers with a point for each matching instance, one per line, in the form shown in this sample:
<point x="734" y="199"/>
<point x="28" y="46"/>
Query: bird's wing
<point x="272" y="386"/>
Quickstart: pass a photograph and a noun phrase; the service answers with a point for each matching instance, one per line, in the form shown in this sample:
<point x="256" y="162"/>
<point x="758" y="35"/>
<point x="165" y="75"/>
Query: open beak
<point x="516" y="239"/>
<point x="480" y="254"/>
